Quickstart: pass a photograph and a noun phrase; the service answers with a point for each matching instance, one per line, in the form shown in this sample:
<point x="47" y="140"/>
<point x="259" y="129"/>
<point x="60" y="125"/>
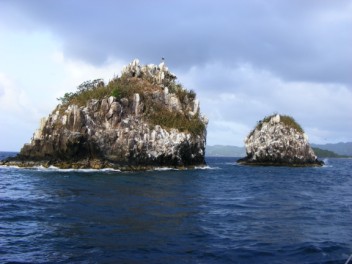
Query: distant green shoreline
<point x="322" y="151"/>
<point x="235" y="151"/>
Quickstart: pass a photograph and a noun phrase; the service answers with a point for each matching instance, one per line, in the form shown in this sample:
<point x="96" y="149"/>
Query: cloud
<point x="247" y="94"/>
<point x="33" y="73"/>
<point x="293" y="39"/>
<point x="21" y="112"/>
<point x="245" y="59"/>
<point x="17" y="114"/>
<point x="226" y="133"/>
<point x="12" y="99"/>
<point x="76" y="72"/>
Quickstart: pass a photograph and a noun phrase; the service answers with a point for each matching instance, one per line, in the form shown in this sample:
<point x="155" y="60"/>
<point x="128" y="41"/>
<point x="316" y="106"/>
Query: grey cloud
<point x="247" y="94"/>
<point x="297" y="40"/>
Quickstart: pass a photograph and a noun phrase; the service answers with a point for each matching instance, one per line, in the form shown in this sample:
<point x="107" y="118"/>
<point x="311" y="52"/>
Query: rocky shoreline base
<point x="92" y="164"/>
<point x="248" y="161"/>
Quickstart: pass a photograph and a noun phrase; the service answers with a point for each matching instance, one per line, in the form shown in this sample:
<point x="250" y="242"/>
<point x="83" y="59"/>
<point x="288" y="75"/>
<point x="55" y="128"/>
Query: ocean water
<point x="224" y="213"/>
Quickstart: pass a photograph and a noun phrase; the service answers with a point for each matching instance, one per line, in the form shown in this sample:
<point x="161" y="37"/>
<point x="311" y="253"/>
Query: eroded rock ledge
<point x="279" y="141"/>
<point x="139" y="121"/>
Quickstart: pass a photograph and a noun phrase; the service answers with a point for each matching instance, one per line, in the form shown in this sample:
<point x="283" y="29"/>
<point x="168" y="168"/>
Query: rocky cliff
<point x="141" y="120"/>
<point x="279" y="141"/>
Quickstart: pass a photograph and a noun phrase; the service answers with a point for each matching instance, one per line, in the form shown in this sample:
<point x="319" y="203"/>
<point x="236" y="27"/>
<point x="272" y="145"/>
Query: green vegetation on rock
<point x="95" y="89"/>
<point x="287" y="120"/>
<point x="291" y="122"/>
<point x="156" y="113"/>
<point x="138" y="121"/>
<point x="170" y="119"/>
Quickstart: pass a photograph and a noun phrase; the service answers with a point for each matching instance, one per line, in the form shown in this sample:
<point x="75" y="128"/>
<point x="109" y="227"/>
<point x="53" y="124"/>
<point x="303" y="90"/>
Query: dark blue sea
<point x="224" y="213"/>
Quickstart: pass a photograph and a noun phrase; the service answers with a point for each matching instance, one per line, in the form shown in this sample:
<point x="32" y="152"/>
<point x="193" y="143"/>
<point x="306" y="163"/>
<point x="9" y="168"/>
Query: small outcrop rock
<point x="158" y="74"/>
<point x="278" y="140"/>
<point x="141" y="120"/>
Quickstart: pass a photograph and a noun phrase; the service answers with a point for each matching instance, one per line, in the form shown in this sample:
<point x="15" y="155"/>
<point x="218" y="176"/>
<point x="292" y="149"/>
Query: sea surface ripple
<point x="224" y="213"/>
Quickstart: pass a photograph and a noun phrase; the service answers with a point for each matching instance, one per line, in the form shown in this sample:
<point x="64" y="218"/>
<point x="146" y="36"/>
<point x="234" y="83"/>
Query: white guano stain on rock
<point x="274" y="142"/>
<point x="112" y="131"/>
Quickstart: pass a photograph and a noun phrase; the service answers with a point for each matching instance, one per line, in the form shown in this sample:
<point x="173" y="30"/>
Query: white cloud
<point x="17" y="115"/>
<point x="247" y="94"/>
<point x="297" y="40"/>
<point x="222" y="132"/>
<point x="233" y="98"/>
<point x="13" y="100"/>
<point x="32" y="79"/>
<point x="77" y="72"/>
<point x="245" y="59"/>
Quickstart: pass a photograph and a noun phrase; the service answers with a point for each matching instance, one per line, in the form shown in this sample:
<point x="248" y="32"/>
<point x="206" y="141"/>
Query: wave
<point x="326" y="163"/>
<point x="164" y="169"/>
<point x="53" y="168"/>
<point x="183" y="169"/>
<point x="235" y="163"/>
<point x="56" y="169"/>
<point x="207" y="168"/>
<point x="11" y="167"/>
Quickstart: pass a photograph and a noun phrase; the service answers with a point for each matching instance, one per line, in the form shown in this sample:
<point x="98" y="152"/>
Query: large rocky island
<point x="278" y="140"/>
<point x="140" y="120"/>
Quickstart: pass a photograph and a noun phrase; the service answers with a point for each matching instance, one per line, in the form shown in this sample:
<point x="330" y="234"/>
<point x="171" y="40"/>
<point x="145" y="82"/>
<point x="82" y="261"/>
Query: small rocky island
<point x="278" y="140"/>
<point x="141" y="120"/>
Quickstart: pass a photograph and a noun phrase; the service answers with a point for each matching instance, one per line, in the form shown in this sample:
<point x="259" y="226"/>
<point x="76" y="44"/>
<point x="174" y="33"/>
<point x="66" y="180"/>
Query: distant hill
<point x="323" y="153"/>
<point x="224" y="151"/>
<point x="344" y="149"/>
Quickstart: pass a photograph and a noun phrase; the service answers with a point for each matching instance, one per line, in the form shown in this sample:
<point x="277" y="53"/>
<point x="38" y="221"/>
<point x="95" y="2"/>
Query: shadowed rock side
<point x="143" y="120"/>
<point x="279" y="141"/>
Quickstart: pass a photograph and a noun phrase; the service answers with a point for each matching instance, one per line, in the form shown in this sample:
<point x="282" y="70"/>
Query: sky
<point x="245" y="59"/>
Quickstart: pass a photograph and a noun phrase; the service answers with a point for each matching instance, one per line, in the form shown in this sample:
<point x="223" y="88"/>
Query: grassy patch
<point x="126" y="87"/>
<point x="182" y="93"/>
<point x="158" y="114"/>
<point x="291" y="122"/>
<point x="120" y="88"/>
<point x="287" y="120"/>
<point x="155" y="112"/>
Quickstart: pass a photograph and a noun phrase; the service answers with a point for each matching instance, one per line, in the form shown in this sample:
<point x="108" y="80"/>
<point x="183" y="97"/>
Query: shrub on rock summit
<point x="140" y="120"/>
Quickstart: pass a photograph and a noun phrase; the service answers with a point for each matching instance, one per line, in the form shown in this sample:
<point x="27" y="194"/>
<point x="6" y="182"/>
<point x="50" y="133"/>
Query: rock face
<point x="138" y="121"/>
<point x="279" y="141"/>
